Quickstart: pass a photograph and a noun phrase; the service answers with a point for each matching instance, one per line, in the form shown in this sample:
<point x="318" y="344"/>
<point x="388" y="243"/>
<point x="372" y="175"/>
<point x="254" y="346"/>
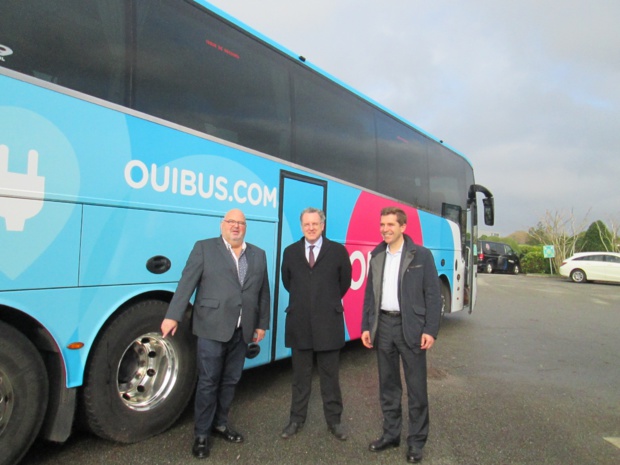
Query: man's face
<point x="312" y="227"/>
<point x="391" y="230"/>
<point x="234" y="227"/>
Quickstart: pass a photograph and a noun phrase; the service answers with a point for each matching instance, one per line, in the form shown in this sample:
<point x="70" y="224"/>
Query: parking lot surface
<point x="530" y="377"/>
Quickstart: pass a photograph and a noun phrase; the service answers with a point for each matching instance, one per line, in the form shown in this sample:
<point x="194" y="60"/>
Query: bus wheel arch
<point x="137" y="383"/>
<point x="446" y="297"/>
<point x="23" y="393"/>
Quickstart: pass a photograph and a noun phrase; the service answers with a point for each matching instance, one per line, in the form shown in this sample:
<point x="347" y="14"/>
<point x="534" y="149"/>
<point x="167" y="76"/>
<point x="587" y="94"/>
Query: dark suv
<point x="495" y="256"/>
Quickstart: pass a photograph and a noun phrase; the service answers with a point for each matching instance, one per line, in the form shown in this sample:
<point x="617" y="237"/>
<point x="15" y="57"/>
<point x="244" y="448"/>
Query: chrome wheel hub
<point x="147" y="372"/>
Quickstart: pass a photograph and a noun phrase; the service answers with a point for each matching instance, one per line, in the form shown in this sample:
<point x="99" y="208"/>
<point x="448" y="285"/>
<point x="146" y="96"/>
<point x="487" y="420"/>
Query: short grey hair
<point x="312" y="210"/>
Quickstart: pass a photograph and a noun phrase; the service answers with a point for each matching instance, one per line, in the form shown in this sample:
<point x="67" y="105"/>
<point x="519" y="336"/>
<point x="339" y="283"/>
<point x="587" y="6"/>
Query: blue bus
<point x="127" y="129"/>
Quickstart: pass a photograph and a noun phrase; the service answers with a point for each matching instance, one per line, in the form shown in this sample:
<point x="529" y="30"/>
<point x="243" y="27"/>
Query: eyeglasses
<point x="233" y="222"/>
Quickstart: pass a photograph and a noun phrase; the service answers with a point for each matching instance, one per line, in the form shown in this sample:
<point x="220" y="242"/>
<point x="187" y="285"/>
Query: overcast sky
<point x="528" y="90"/>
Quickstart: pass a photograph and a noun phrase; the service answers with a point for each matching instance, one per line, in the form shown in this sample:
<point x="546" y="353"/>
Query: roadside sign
<point x="548" y="251"/>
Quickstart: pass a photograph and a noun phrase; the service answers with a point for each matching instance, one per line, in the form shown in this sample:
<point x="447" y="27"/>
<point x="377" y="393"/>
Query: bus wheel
<point x="137" y="383"/>
<point x="446" y="301"/>
<point x="23" y="394"/>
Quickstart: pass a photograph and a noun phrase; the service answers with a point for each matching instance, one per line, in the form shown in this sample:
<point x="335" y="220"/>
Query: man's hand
<point x="259" y="334"/>
<point x="427" y="341"/>
<point x="366" y="339"/>
<point x="169" y="326"/>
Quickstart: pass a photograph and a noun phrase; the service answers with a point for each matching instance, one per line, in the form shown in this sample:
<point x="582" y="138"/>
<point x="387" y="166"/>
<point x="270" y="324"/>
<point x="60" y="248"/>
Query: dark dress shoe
<point x="338" y="431"/>
<point x="227" y="434"/>
<point x="414" y="455"/>
<point x="291" y="430"/>
<point x="382" y="444"/>
<point x="200" y="449"/>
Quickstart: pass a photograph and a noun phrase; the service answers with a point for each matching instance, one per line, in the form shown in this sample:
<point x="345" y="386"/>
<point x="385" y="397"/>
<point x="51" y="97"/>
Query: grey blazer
<point x="211" y="272"/>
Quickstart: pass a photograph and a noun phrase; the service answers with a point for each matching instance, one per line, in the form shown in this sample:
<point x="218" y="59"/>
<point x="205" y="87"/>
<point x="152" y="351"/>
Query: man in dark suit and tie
<point x="231" y="309"/>
<point x="317" y="274"/>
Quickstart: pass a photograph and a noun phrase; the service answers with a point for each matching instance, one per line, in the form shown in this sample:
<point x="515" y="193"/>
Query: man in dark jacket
<point x="402" y="310"/>
<point x="317" y="274"/>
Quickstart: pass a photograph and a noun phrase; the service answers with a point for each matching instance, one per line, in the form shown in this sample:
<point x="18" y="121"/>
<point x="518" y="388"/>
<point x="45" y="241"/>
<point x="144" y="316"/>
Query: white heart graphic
<point x="36" y="159"/>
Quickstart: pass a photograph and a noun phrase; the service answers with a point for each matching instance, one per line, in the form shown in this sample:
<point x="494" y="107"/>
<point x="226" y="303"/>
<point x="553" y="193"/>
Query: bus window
<point x="334" y="131"/>
<point x="199" y="72"/>
<point x="403" y="162"/>
<point x="86" y="54"/>
<point x="447" y="178"/>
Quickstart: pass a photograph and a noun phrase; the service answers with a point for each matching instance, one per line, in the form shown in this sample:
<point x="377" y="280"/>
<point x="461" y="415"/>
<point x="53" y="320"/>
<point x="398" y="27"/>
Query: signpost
<point x="549" y="252"/>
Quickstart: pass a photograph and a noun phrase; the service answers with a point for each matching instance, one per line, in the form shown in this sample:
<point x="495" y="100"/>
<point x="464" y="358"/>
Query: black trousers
<point x="328" y="364"/>
<point x="391" y="349"/>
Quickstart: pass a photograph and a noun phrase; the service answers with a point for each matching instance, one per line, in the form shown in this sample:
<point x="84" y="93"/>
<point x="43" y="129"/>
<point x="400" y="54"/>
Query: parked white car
<point x="592" y="266"/>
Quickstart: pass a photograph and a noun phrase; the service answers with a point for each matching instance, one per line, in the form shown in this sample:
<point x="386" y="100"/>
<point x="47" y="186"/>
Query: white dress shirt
<point x="389" y="292"/>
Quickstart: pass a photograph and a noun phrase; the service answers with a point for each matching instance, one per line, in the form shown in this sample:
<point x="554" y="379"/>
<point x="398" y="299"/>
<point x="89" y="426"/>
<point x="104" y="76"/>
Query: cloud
<point x="527" y="90"/>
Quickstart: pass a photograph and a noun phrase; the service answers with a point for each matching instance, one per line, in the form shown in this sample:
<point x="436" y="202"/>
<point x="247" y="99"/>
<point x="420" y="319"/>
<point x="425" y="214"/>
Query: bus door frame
<point x="291" y="202"/>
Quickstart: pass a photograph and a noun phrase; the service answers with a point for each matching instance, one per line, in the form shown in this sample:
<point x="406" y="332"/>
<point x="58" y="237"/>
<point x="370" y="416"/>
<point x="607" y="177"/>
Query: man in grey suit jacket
<point x="317" y="274"/>
<point x="402" y="310"/>
<point x="231" y="309"/>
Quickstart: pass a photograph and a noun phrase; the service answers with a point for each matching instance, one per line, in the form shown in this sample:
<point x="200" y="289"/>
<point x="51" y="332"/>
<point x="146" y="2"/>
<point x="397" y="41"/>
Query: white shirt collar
<point x="317" y="245"/>
<point x="229" y="247"/>
<point x="387" y="249"/>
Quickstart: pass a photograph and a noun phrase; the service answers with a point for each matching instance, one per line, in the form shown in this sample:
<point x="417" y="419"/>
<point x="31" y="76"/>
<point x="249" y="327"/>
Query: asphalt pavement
<point x="531" y="377"/>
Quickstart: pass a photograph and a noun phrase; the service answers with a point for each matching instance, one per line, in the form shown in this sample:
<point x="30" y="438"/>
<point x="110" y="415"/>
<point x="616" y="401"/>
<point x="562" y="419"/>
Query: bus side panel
<point x="459" y="271"/>
<point x="117" y="244"/>
<point x="44" y="251"/>
<point x="440" y="238"/>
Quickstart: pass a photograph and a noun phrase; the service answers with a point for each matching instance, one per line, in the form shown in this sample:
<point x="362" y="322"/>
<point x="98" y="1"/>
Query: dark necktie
<point x="311" y="256"/>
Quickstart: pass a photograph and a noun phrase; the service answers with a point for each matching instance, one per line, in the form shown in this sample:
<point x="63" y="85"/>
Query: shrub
<point x="533" y="261"/>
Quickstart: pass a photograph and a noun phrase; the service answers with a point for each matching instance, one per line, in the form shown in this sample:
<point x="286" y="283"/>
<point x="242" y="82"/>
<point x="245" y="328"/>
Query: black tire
<point x="446" y="301"/>
<point x="578" y="276"/>
<point x="23" y="394"/>
<point x="137" y="383"/>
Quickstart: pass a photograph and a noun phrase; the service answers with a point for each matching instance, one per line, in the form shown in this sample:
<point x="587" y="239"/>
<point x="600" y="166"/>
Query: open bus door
<point x="489" y="219"/>
<point x="297" y="192"/>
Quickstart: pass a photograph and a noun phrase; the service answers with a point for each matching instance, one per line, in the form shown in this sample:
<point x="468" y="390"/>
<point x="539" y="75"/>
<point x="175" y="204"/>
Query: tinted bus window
<point x="77" y="44"/>
<point x="403" y="162"/>
<point x="199" y="72"/>
<point x="334" y="131"/>
<point x="448" y="178"/>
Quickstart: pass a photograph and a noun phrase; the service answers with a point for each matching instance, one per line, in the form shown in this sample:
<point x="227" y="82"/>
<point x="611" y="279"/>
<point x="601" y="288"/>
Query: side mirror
<point x="489" y="211"/>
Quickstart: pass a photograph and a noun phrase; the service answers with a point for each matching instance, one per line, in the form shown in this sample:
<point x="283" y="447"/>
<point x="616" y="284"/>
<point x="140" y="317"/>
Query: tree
<point x="560" y="230"/>
<point x="596" y="239"/>
<point x="614" y="236"/>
